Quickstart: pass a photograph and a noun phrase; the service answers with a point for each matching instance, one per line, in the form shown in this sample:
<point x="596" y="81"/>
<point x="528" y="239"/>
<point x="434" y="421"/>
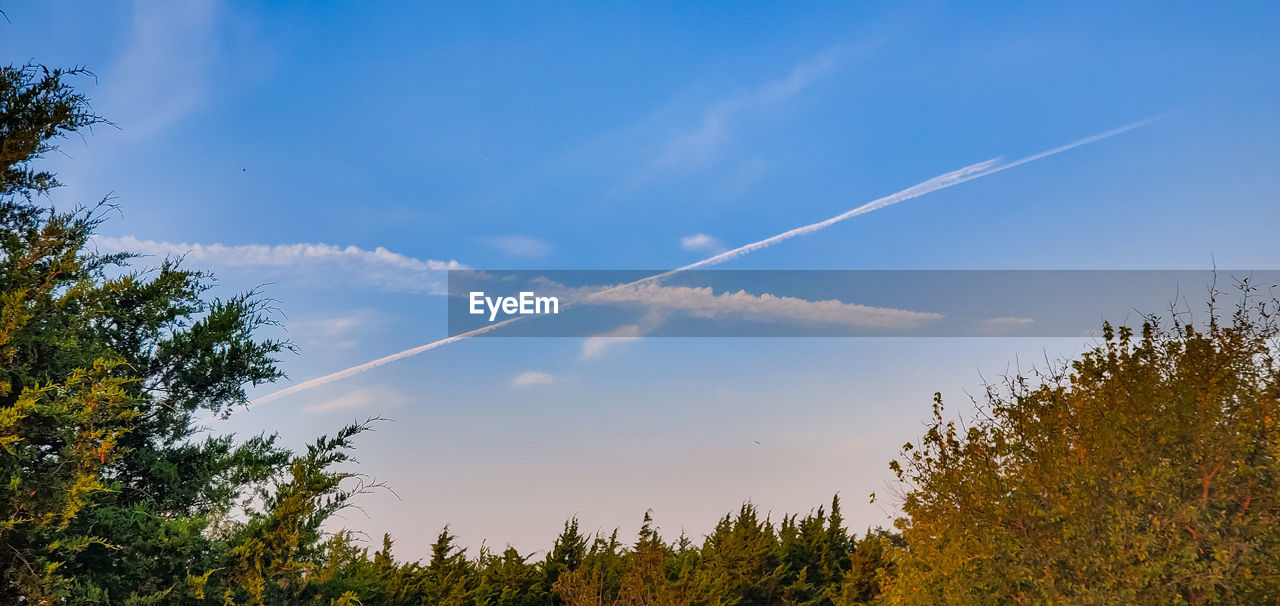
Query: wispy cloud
<point x="530" y="378"/>
<point x="519" y="246"/>
<point x="333" y="332"/>
<point x="700" y="242"/>
<point x="163" y="72"/>
<point x="694" y="133"/>
<point x="661" y="302"/>
<point x="951" y="179"/>
<point x="380" y="396"/>
<point x="336" y="326"/>
<point x="317" y="264"/>
<point x="1003" y="325"/>
<point x="1009" y="321"/>
<point x="696" y="147"/>
<point x="594" y="347"/>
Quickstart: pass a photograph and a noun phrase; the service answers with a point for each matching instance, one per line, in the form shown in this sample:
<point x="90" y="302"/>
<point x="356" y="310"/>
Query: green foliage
<point x="745" y="560"/>
<point x="57" y="439"/>
<point x="274" y="558"/>
<point x="1145" y="472"/>
<point x="36" y="107"/>
<point x="822" y="565"/>
<point x="112" y="493"/>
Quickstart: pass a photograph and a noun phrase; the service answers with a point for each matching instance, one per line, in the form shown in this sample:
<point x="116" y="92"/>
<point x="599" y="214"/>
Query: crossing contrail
<point x="943" y="181"/>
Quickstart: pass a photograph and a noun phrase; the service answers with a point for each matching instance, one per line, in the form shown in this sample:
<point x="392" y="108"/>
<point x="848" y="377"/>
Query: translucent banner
<point x="831" y="303"/>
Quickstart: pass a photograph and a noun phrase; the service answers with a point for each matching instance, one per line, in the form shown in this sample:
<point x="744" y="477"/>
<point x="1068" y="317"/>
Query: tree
<point x="741" y="558"/>
<point x="647" y="580"/>
<point x="114" y="492"/>
<point x="276" y="555"/>
<point x="1144" y="472"/>
<point x="509" y="580"/>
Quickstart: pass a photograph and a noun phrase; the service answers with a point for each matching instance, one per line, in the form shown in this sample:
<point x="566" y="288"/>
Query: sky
<point x="343" y="156"/>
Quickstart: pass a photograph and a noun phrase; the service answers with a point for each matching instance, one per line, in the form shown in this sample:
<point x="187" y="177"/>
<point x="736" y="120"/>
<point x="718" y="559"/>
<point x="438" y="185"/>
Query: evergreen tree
<point x="115" y="494"/>
<point x="510" y="580"/>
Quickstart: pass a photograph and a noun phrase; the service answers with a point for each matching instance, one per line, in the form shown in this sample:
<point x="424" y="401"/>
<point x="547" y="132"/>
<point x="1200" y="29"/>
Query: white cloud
<point x="701" y="242"/>
<point x="382" y="396"/>
<point x="530" y="378"/>
<point x="704" y="302"/>
<point x="319" y="264"/>
<point x="519" y="246"/>
<point x="1003" y="325"/>
<point x="594" y="347"/>
<point x="337" y="326"/>
<point x="1008" y="321"/>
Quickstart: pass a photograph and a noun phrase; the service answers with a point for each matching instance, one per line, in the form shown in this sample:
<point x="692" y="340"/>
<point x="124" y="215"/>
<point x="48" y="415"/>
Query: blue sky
<point x="622" y="136"/>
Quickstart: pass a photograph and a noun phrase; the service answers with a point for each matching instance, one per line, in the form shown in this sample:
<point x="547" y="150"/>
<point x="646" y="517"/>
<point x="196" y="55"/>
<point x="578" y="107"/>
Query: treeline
<point x="747" y="559"/>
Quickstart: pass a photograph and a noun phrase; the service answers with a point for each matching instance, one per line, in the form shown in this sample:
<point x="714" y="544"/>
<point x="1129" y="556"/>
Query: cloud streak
<point x="520" y="246"/>
<point x="529" y="378"/>
<point x="313" y="263"/>
<point x="594" y="347"/>
<point x="382" y="396"/>
<point x="692" y="133"/>
<point x="703" y="302"/>
<point x="943" y="181"/>
<point x="165" y="66"/>
<point x="702" y="144"/>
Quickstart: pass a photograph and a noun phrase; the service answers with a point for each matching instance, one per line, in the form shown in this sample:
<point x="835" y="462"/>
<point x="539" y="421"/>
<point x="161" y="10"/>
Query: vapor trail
<point x="370" y="365"/>
<point x="943" y="181"/>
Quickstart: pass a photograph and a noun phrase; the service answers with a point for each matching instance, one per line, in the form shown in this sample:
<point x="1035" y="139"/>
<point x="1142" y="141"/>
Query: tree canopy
<point x="115" y="493"/>
<point x="1145" y="471"/>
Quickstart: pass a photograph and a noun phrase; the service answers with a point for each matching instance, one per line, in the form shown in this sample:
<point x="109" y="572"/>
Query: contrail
<point x="355" y="370"/>
<point x="943" y="181"/>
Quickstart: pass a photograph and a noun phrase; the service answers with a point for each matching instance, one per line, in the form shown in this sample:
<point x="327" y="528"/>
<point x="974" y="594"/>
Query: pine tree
<point x="113" y="493"/>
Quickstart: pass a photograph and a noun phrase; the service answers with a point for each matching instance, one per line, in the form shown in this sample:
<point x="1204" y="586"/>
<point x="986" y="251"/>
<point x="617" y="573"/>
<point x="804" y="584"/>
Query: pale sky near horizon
<point x="344" y="155"/>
